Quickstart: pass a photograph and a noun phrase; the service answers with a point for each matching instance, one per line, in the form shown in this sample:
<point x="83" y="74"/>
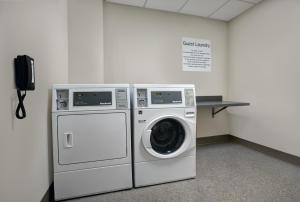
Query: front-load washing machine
<point x="164" y="133"/>
<point x="91" y="139"/>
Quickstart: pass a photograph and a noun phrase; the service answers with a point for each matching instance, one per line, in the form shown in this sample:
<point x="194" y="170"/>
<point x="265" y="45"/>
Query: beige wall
<point x="144" y="46"/>
<point x="264" y="69"/>
<point x="38" y="29"/>
<point x="85" y="35"/>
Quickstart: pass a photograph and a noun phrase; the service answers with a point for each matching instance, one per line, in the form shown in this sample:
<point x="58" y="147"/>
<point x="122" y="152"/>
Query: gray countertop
<point x="208" y="104"/>
<point x="217" y="101"/>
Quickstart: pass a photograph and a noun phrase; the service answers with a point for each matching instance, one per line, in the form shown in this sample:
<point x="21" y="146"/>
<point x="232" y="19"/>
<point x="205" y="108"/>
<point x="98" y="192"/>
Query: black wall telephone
<point x="25" y="80"/>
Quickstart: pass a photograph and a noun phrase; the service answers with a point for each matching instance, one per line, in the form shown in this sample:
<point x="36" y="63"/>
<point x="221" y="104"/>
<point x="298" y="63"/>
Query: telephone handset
<point x="25" y="80"/>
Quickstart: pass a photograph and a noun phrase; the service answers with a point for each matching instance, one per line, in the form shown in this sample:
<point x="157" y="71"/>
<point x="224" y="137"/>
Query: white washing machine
<point x="91" y="139"/>
<point x="164" y="133"/>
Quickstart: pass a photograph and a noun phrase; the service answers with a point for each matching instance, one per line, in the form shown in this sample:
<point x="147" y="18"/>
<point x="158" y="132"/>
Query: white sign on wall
<point x="196" y="55"/>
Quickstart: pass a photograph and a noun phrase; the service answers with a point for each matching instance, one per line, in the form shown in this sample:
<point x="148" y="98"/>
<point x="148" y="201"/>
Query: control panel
<point x="93" y="98"/>
<point x="166" y="97"/>
<point x="62" y="99"/>
<point x="142" y="100"/>
<point x="189" y="97"/>
<point x="162" y="97"/>
<point x="121" y="98"/>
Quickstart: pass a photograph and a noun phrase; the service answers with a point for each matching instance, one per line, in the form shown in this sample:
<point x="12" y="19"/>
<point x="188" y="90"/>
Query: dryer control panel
<point x="77" y="97"/>
<point x="96" y="98"/>
<point x="122" y="99"/>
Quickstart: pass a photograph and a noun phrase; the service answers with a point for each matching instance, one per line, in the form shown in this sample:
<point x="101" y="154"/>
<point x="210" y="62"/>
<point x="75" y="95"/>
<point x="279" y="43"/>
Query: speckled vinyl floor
<point x="225" y="172"/>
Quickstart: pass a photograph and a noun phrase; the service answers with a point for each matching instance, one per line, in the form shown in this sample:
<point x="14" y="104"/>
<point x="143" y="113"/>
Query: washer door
<point x="167" y="137"/>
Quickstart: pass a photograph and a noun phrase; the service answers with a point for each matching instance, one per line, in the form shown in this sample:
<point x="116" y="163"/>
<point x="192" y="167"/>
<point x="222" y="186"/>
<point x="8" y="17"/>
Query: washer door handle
<point x="146" y="139"/>
<point x="68" y="140"/>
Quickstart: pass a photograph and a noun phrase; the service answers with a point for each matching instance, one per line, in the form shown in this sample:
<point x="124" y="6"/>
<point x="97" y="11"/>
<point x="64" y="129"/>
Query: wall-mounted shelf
<point x="216" y="103"/>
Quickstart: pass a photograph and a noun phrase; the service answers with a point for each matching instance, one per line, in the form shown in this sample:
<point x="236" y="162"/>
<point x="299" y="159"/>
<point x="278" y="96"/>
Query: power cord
<point x="21" y="105"/>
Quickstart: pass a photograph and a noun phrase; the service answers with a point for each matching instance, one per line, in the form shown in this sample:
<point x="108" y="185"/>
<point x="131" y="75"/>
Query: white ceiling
<point x="216" y="9"/>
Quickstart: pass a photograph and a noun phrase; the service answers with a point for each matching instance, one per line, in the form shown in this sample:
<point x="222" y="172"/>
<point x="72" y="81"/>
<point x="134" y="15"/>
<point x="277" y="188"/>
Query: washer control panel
<point x="142" y="100"/>
<point x="189" y="97"/>
<point x="168" y="96"/>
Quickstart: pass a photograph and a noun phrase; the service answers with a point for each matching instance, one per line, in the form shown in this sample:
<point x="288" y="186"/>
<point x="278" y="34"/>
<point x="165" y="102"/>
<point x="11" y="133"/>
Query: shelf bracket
<point x="214" y="111"/>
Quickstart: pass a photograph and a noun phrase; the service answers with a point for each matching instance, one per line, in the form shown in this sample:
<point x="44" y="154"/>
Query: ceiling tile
<point x="139" y="3"/>
<point x="167" y="5"/>
<point x="202" y="7"/>
<point x="230" y="10"/>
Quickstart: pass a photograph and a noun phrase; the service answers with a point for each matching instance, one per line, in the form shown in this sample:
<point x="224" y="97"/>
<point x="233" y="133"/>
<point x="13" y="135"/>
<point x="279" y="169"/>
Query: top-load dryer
<point x="164" y="133"/>
<point x="91" y="139"/>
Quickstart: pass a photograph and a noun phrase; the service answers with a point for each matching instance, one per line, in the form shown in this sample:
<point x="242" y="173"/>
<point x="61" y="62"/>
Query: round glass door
<point x="167" y="136"/>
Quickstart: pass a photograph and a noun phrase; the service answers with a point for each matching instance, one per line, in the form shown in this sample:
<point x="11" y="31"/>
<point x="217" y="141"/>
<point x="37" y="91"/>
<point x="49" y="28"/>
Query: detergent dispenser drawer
<point x="91" y="137"/>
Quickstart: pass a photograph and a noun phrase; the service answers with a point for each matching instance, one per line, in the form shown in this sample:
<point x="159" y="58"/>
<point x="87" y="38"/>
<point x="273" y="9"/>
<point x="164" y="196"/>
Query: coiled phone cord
<point x="21" y="105"/>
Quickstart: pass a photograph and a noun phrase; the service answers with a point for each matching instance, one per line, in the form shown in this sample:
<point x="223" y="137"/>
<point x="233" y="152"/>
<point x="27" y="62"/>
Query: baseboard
<point x="257" y="147"/>
<point x="49" y="195"/>
<point x="269" y="151"/>
<point x="214" y="139"/>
